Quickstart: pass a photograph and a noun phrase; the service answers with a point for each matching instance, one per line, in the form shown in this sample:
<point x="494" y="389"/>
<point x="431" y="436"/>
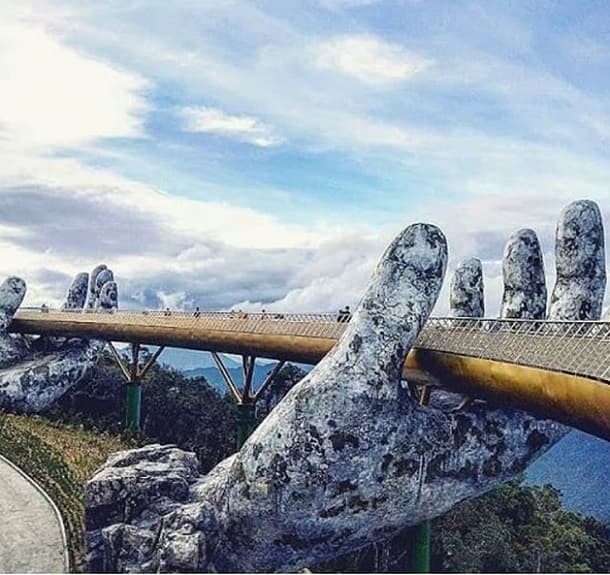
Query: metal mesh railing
<point x="575" y="347"/>
<point x="319" y="325"/>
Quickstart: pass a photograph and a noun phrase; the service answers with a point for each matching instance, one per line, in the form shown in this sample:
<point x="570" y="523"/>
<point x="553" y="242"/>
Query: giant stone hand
<point x="36" y="372"/>
<point x="349" y="456"/>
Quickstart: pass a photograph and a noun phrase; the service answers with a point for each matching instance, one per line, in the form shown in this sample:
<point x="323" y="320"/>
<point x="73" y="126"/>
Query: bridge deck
<point x="553" y="368"/>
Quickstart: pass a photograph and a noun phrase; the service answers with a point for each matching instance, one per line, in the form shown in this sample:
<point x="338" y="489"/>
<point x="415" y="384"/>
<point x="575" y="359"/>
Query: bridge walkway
<point x="557" y="369"/>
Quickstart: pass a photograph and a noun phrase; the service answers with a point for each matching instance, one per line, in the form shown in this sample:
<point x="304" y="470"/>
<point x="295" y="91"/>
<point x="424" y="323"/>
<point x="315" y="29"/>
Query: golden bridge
<point x="553" y="369"/>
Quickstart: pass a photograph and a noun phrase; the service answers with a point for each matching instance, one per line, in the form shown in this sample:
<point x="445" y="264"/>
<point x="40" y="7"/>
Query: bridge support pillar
<point x="133" y="376"/>
<point x="246" y="422"/>
<point x="246" y="397"/>
<point x="419" y="556"/>
<point x="133" y="408"/>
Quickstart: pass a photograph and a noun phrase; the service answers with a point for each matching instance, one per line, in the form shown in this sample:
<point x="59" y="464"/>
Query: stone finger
<point x="466" y="291"/>
<point x="77" y="293"/>
<point x="525" y="292"/>
<point x="581" y="263"/>
<point x="92" y="295"/>
<point x="12" y="292"/>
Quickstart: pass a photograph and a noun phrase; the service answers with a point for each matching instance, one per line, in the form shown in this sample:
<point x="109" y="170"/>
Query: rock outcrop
<point x="36" y="372"/>
<point x="466" y="297"/>
<point x="524" y="294"/>
<point x="347" y="458"/>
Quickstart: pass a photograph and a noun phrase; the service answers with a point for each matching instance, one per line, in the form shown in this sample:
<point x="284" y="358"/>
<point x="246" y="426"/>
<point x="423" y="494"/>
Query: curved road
<point x="31" y="539"/>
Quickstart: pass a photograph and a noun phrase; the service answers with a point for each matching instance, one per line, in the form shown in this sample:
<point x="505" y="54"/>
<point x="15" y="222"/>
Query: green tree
<point x="517" y="528"/>
<point x="175" y="409"/>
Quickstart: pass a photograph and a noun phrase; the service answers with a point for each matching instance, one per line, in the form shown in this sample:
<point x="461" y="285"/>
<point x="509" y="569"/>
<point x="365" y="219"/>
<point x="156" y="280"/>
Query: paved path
<point x="30" y="532"/>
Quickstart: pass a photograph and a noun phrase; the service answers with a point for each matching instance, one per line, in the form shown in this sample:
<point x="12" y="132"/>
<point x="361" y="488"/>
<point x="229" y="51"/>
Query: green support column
<point x="246" y="421"/>
<point x="133" y="376"/>
<point x="420" y="560"/>
<point x="134" y="402"/>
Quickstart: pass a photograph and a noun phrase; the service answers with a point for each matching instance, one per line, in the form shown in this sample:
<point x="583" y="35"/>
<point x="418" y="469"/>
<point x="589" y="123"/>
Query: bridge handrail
<point x="295" y="317"/>
<point x="303" y="316"/>
<point x="575" y="347"/>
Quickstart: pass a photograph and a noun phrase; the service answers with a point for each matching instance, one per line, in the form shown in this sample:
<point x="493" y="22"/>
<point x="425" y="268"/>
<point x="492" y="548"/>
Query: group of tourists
<point x="343" y="316"/>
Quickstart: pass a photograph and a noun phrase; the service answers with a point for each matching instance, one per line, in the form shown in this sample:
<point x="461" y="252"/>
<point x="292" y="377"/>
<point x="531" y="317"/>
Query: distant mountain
<point x="578" y="465"/>
<point x="214" y="378"/>
<point x="188" y="359"/>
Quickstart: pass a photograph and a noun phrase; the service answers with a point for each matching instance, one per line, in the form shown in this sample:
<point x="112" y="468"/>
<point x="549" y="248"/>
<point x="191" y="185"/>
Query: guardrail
<point x="574" y="347"/>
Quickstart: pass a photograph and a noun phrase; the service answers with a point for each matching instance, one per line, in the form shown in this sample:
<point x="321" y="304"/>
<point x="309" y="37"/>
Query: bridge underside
<point x="577" y="401"/>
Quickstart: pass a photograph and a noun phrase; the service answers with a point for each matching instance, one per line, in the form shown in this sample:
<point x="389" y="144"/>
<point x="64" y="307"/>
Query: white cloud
<point x="210" y="253"/>
<point x="53" y="96"/>
<point x="242" y="128"/>
<point x="234" y="225"/>
<point x="368" y="58"/>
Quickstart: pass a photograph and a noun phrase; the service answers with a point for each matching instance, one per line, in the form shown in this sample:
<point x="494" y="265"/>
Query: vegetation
<point x="519" y="529"/>
<point x="60" y="459"/>
<point x="512" y="529"/>
<point x="175" y="409"/>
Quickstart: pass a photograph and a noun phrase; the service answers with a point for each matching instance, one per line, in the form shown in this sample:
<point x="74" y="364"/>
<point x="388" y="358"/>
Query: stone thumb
<point x="12" y="292"/>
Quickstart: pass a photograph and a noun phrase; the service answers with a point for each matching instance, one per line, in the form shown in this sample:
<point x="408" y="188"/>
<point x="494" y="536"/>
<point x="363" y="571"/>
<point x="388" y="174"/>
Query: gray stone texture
<point x="524" y="280"/>
<point x="109" y="296"/>
<point x="77" y="294"/>
<point x="12" y="292"/>
<point x="12" y="349"/>
<point x="101" y="279"/>
<point x="466" y="298"/>
<point x="581" y="264"/>
<point x="347" y="458"/>
<point x="93" y="293"/>
<point x="34" y="375"/>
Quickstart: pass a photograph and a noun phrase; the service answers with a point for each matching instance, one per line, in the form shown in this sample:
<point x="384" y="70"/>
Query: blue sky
<point x="263" y="153"/>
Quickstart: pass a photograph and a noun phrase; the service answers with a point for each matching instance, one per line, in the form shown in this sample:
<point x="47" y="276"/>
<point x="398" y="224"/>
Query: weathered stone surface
<point x="92" y="296"/>
<point x="581" y="264"/>
<point x="466" y="297"/>
<point x="103" y="278"/>
<point x="77" y="294"/>
<point x="524" y="280"/>
<point x="33" y="376"/>
<point x="348" y="457"/>
<point x="145" y="484"/>
<point x="39" y="379"/>
<point x="109" y="296"/>
<point x="12" y="292"/>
